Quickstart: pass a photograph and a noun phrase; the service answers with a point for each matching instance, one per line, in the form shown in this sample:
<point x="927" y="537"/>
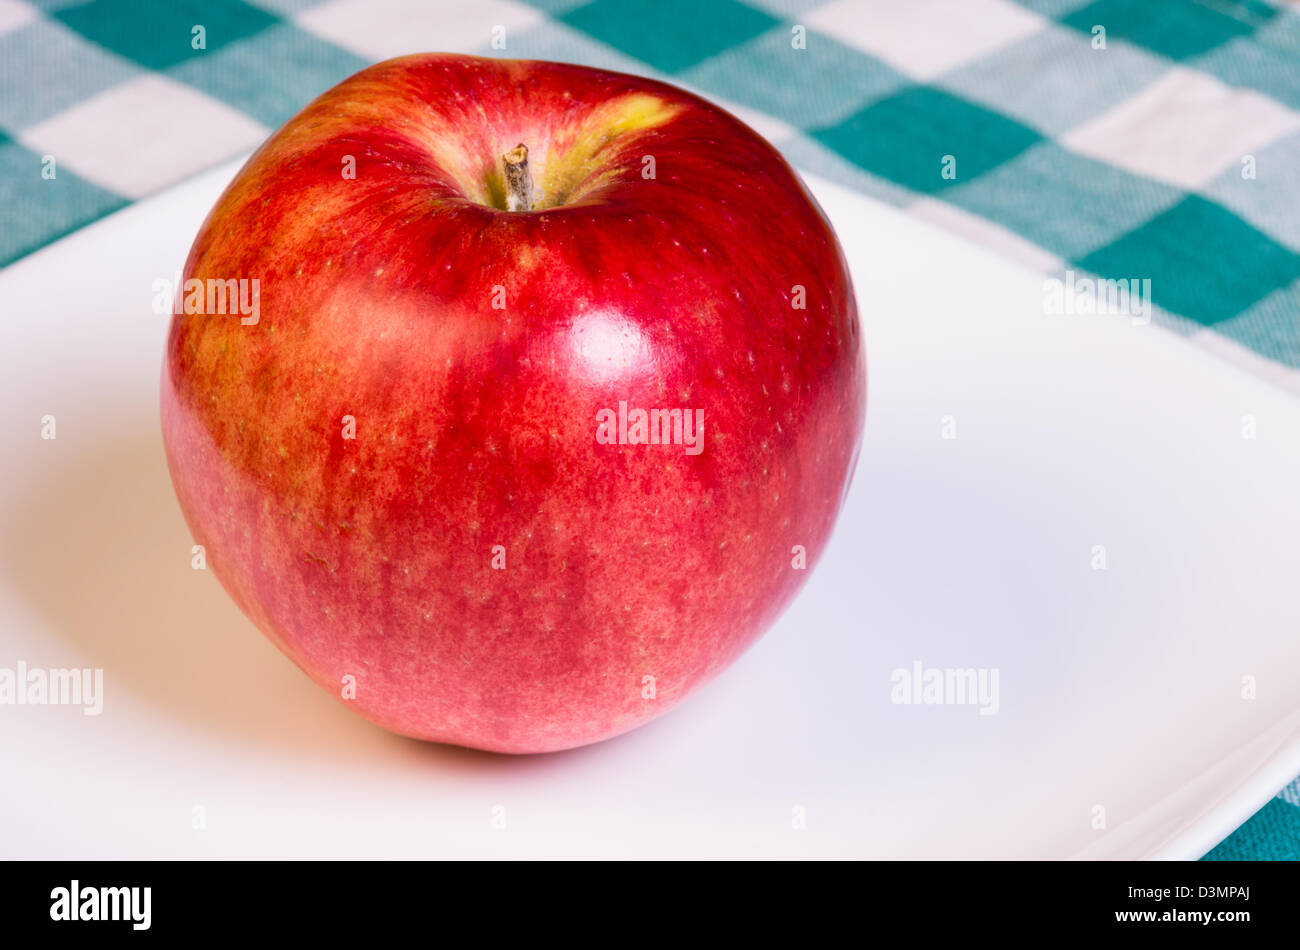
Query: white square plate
<point x="1121" y="729"/>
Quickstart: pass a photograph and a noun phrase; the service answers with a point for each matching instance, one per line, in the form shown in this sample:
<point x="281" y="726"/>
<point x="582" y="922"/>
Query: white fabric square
<point x="143" y="134"/>
<point x="1184" y="128"/>
<point x="382" y="29"/>
<point x="15" y="14"/>
<point x="925" y="38"/>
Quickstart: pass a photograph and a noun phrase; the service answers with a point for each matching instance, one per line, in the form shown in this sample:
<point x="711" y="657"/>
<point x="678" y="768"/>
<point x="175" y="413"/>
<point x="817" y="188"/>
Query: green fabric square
<point x="908" y="137"/>
<point x="158" y="33"/>
<point x="34" y="210"/>
<point x="1062" y="201"/>
<point x="1271" y="834"/>
<point x="670" y="35"/>
<point x="271" y="75"/>
<point x="1177" y="28"/>
<point x="1204" y="262"/>
<point x="807" y="87"/>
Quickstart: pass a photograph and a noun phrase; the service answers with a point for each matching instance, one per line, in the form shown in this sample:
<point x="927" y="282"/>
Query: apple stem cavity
<point x="519" y="180"/>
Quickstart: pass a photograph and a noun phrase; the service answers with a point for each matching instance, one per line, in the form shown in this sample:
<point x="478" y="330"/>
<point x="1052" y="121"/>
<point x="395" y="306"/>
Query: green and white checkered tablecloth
<point x="1127" y="139"/>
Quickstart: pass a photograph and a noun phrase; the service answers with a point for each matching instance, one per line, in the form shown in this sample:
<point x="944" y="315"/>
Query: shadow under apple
<point x="100" y="551"/>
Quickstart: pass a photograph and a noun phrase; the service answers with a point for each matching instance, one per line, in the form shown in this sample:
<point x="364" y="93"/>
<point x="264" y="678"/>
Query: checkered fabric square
<point x="1122" y="138"/>
<point x="1126" y="139"/>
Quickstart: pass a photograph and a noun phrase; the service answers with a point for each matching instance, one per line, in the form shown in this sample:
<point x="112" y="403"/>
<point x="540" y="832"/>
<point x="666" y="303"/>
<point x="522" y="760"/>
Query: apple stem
<point x="519" y="180"/>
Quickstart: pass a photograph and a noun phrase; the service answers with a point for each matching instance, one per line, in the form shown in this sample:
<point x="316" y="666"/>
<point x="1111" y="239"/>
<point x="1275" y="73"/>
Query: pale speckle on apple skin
<point x="621" y="560"/>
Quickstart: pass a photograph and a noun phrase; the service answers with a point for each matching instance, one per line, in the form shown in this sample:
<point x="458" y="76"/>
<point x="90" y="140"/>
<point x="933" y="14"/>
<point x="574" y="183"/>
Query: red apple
<point x="419" y="462"/>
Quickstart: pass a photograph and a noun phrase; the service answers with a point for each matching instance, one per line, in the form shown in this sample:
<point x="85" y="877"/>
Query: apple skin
<point x="372" y="557"/>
